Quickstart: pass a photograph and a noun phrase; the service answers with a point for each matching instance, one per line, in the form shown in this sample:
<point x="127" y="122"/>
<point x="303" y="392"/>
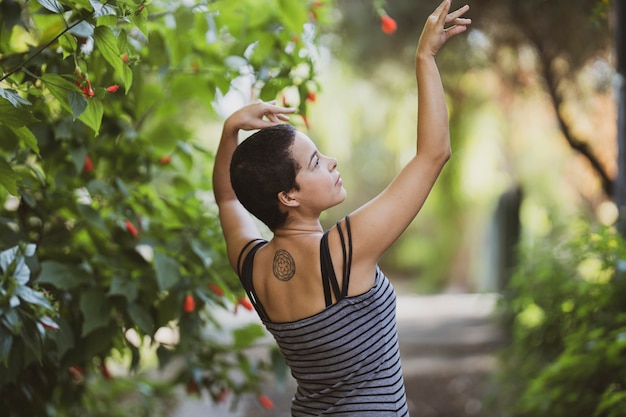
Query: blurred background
<point x="533" y="123"/>
<point x="116" y="298"/>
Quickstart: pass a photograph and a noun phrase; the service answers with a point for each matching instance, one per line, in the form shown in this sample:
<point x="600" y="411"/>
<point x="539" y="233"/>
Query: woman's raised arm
<point x="380" y="222"/>
<point x="237" y="224"/>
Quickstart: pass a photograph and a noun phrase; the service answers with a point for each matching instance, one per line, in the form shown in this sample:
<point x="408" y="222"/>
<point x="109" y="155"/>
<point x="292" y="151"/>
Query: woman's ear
<point x="286" y="198"/>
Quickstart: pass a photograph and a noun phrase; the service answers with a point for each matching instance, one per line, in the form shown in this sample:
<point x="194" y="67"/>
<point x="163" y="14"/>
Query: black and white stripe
<point x="346" y="359"/>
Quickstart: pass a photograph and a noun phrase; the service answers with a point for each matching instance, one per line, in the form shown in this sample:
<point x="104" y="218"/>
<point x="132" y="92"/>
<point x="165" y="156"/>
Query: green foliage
<point x="24" y="313"/>
<point x="99" y="171"/>
<point x="126" y="397"/>
<point x="567" y="319"/>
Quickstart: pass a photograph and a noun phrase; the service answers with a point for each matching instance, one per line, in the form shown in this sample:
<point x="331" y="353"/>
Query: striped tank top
<point x="345" y="359"/>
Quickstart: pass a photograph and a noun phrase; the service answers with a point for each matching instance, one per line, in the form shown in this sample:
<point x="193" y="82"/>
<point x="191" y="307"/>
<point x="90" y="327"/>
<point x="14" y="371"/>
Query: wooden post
<point x="620" y="49"/>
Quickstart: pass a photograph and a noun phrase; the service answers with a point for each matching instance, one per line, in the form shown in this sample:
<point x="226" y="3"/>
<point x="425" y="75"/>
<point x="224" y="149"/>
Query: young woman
<point x="321" y="293"/>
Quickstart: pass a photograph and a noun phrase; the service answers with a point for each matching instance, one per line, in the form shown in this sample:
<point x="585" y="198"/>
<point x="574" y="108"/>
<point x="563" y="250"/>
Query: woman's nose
<point x="332" y="163"/>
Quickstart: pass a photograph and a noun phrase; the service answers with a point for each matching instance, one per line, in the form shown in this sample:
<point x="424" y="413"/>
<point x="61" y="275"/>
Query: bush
<point x="566" y="314"/>
<point x="106" y="231"/>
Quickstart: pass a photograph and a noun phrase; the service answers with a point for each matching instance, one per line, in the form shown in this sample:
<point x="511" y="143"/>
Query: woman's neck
<point x="294" y="227"/>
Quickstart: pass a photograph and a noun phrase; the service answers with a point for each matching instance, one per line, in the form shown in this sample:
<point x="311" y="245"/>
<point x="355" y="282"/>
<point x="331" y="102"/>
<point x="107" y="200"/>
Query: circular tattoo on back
<point x="284" y="267"/>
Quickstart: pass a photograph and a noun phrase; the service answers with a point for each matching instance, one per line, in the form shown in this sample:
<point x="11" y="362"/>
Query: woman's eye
<point x="317" y="161"/>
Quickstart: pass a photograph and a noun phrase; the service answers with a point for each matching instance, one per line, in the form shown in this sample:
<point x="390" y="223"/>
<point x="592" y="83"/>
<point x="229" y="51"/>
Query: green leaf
<point x="8" y="177"/>
<point x="78" y="155"/>
<point x="92" y="216"/>
<point x="183" y="185"/>
<point x="99" y="341"/>
<point x="12" y="321"/>
<point x="167" y="273"/>
<point x="100" y="9"/>
<point x="82" y="29"/>
<point x="64" y="337"/>
<point x="96" y="310"/>
<point x="78" y="103"/>
<point x="141" y="21"/>
<point x="25" y="135"/>
<point x="121" y="285"/>
<point x="60" y="88"/>
<point x="14" y="117"/>
<point x="6" y="341"/>
<point x="11" y="15"/>
<point x="247" y="335"/>
<point x="202" y="251"/>
<point x="141" y="317"/>
<point x="293" y="14"/>
<point x="68" y="44"/>
<point x="31" y="337"/>
<point x="13" y="97"/>
<point x="33" y="297"/>
<point x="52" y="5"/>
<point x="107" y="20"/>
<point x="86" y="4"/>
<point x="92" y="116"/>
<point x="62" y="276"/>
<point x="106" y="43"/>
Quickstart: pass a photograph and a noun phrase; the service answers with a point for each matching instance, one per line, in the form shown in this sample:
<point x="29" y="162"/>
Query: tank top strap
<point x="329" y="278"/>
<point x="244" y="270"/>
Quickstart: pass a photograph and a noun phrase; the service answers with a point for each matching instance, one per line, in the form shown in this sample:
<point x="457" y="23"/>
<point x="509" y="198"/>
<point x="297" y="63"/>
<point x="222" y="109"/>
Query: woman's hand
<point x="257" y="116"/>
<point x="435" y="34"/>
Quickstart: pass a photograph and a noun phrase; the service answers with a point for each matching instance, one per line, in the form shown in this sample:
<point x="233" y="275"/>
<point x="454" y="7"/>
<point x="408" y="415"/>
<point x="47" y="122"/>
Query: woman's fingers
<point x="457" y="13"/>
<point x="442" y="12"/>
<point x="456" y="23"/>
<point x="443" y="8"/>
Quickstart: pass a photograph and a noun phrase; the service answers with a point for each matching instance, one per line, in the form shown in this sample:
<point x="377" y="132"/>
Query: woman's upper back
<point x="287" y="273"/>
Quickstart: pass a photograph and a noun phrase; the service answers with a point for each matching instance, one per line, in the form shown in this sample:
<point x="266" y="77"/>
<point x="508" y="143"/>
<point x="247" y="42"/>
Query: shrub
<point x="106" y="232"/>
<point x="567" y="319"/>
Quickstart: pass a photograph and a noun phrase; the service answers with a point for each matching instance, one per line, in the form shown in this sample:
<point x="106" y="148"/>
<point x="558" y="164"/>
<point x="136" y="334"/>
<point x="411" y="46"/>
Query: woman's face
<point x="319" y="181"/>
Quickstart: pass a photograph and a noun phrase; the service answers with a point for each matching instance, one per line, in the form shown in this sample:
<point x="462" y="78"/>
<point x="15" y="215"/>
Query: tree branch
<point x="575" y="143"/>
<point x="40" y="50"/>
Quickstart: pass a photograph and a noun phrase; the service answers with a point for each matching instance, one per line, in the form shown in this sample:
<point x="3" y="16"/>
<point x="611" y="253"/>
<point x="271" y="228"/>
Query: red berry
<point x="189" y="305"/>
<point x="113" y="88"/>
<point x="216" y="289"/>
<point x="266" y="402"/>
<point x="388" y="24"/>
<point x="131" y="228"/>
<point x="246" y="303"/>
<point x="88" y="165"/>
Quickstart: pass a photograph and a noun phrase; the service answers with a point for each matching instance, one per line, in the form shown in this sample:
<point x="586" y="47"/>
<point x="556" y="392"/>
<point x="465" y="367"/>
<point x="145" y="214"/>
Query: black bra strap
<point x="241" y="254"/>
<point x="246" y="276"/>
<point x="328" y="273"/>
<point x="347" y="259"/>
<point x="329" y="278"/>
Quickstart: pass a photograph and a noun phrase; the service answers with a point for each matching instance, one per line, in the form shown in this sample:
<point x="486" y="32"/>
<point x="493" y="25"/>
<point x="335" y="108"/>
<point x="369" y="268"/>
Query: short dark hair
<point x="263" y="166"/>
